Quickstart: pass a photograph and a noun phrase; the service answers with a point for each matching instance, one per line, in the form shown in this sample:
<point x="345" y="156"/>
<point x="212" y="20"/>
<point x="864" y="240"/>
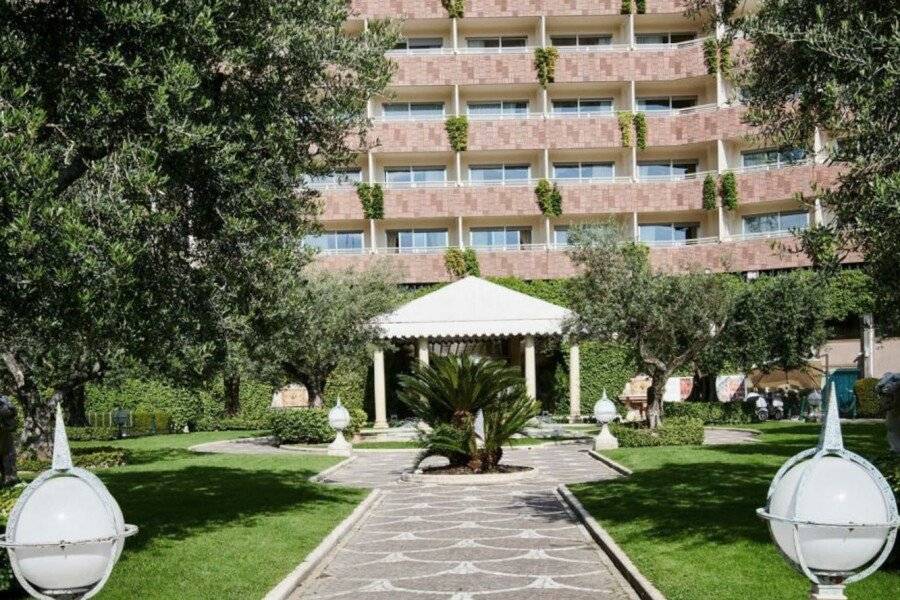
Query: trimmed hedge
<point x="97" y="457"/>
<point x="727" y="413"/>
<point x="868" y="404"/>
<point x="674" y="431"/>
<point x="301" y="426"/>
<point x="8" y="497"/>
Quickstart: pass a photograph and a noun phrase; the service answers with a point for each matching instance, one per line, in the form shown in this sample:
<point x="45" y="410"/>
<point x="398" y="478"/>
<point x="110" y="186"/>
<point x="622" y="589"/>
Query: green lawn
<point x="214" y="525"/>
<point x="686" y="516"/>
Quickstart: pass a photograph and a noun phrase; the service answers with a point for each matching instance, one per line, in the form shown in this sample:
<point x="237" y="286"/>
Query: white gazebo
<point x="475" y="309"/>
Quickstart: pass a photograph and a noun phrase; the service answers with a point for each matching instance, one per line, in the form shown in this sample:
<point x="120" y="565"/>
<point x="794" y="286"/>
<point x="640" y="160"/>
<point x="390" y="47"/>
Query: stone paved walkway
<point x="503" y="542"/>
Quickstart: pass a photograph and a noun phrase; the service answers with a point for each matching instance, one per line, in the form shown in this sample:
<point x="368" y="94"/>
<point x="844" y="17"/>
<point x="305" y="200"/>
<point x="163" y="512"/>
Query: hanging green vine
<point x="454" y="8"/>
<point x="729" y="191"/>
<point x="625" y="127"/>
<point x="545" y="64"/>
<point x="471" y="260"/>
<point x="460" y="263"/>
<point x="711" y="55"/>
<point x="458" y="132"/>
<point x="640" y="130"/>
<point x="641" y="6"/>
<point x="725" y="63"/>
<point x="709" y="193"/>
<point x="626" y="7"/>
<point x="549" y="198"/>
<point x="371" y="197"/>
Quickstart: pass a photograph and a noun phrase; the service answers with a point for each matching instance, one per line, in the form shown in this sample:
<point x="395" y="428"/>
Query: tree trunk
<point x="315" y="395"/>
<point x="655" y="400"/>
<point x="75" y="405"/>
<point x="231" y="385"/>
<point x="37" y="430"/>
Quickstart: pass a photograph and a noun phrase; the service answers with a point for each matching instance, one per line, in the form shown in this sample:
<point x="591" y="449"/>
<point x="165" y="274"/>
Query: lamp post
<point x="814" y="405"/>
<point x="66" y="531"/>
<point x="605" y="412"/>
<point x="831" y="513"/>
<point x="339" y="419"/>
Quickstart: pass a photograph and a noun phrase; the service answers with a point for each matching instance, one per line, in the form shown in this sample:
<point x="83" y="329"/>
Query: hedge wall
<point x="868" y="403"/>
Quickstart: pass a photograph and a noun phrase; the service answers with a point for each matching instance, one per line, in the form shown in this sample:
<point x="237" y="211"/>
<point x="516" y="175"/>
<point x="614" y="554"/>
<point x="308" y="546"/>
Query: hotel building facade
<point x="610" y="66"/>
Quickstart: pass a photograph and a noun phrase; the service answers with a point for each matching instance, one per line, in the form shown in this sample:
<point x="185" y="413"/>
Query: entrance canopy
<point x="473" y="307"/>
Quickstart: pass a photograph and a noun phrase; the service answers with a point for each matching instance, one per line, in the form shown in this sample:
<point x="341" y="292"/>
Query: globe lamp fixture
<point x="339" y="419"/>
<point x="605" y="413"/>
<point x="66" y="531"/>
<point x="831" y="513"/>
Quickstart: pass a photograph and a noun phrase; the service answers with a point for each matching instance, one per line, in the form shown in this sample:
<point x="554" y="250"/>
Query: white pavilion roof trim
<point x="473" y="307"/>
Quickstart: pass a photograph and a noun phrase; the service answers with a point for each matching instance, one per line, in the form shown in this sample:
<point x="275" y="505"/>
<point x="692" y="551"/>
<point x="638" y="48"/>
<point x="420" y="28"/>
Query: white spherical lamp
<point x="605" y="413"/>
<point x="831" y="513"/>
<point x="339" y="419"/>
<point x="66" y="531"/>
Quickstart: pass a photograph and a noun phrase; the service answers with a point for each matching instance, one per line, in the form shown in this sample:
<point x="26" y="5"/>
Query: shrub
<point x="641" y="6"/>
<point x="626" y="7"/>
<point x="725" y="63"/>
<point x="674" y="431"/>
<point x="545" y="64"/>
<point x="729" y="191"/>
<point x="371" y="197"/>
<point x="625" y="123"/>
<point x="640" y="130"/>
<point x="347" y="382"/>
<point x="301" y="426"/>
<point x="727" y="413"/>
<point x="8" y="497"/>
<point x="868" y="404"/>
<point x="604" y="366"/>
<point x="148" y="396"/>
<point x="471" y="260"/>
<point x="92" y="434"/>
<point x="454" y="8"/>
<point x="455" y="262"/>
<point x="458" y="133"/>
<point x="709" y="193"/>
<point x="549" y="198"/>
<point x="711" y="55"/>
<point x="95" y="457"/>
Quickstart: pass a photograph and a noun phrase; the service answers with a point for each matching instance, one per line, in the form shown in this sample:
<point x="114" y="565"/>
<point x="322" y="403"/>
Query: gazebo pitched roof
<point x="473" y="307"/>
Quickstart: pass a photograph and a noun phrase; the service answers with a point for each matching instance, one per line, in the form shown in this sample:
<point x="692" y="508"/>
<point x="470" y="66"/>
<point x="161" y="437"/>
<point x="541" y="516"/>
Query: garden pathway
<point x="503" y="542"/>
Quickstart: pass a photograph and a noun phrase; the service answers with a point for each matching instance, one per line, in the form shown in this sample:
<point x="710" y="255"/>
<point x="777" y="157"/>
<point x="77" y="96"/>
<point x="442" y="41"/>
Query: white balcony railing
<point x="616" y="47"/>
<point x="773" y="166"/>
<point x="512" y="50"/>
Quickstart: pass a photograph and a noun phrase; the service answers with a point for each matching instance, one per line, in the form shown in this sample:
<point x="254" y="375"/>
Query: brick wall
<point x="698" y="127"/>
<point x="432" y="9"/>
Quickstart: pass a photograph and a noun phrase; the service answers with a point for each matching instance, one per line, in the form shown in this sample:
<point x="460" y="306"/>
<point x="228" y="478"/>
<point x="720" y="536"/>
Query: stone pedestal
<point x="605" y="440"/>
<point x="827" y="592"/>
<point x="340" y="446"/>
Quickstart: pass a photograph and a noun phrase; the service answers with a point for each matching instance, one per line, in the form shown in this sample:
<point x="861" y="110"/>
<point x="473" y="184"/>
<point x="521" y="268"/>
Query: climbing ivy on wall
<point x="709" y="192"/>
<point x="625" y="123"/>
<point x="371" y="197"/>
<point x="640" y="130"/>
<point x="549" y="198"/>
<point x="545" y="64"/>
<point x="458" y="132"/>
<point x="711" y="55"/>
<point x="454" y="8"/>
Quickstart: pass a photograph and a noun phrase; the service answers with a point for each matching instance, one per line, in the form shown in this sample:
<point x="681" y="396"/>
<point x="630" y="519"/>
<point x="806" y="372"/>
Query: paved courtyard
<point x="509" y="541"/>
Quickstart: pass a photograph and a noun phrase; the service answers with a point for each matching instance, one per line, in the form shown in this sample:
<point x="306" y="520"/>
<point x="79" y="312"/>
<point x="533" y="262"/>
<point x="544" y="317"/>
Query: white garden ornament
<point x="605" y="413"/>
<point x="831" y="513"/>
<point x="66" y="531"/>
<point x="339" y="419"/>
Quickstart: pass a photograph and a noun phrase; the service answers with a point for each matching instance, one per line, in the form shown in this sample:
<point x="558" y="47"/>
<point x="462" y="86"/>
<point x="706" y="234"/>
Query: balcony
<point x="697" y="124"/>
<point x="432" y="9"/>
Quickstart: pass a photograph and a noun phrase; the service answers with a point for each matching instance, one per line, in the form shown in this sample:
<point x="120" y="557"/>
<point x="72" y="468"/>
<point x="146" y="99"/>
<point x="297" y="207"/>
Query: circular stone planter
<point x="468" y="478"/>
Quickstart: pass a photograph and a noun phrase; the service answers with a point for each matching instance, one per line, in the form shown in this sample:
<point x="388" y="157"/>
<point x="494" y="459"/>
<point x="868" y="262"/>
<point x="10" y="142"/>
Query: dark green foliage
<point x="626" y="7"/>
<point x="455" y="262"/>
<point x="8" y="497"/>
<point x="641" y="6"/>
<point x="301" y="426"/>
<point x="726" y="65"/>
<point x="347" y="382"/>
<point x="454" y="8"/>
<point x="847" y="292"/>
<point x="675" y="431"/>
<point x="604" y="366"/>
<point x="458" y="132"/>
<point x="371" y="197"/>
<point x="545" y="64"/>
<point x="97" y="457"/>
<point x="729" y="191"/>
<point x="711" y="55"/>
<point x="640" y="130"/>
<point x="92" y="434"/>
<point x="551" y="290"/>
<point x="471" y="260"/>
<point x="718" y="413"/>
<point x="709" y="193"/>
<point x="625" y="127"/>
<point x="868" y="404"/>
<point x="549" y="198"/>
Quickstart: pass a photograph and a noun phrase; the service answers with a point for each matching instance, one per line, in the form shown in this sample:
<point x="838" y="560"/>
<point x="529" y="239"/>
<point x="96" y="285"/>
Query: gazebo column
<point x="422" y="345"/>
<point x="380" y="392"/>
<point x="530" y="376"/>
<point x="574" y="383"/>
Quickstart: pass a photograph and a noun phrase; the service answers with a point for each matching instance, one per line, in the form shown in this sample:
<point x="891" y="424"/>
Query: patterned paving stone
<point x="454" y="542"/>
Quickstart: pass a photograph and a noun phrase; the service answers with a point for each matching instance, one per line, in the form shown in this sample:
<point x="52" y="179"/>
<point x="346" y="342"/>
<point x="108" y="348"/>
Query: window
<point x="499" y="173"/>
<point x="583" y="106"/>
<point x="664" y="38"/>
<point x="665" y="103"/>
<point x="777" y="221"/>
<point x="497" y="108"/>
<point x="417" y="240"/>
<point x="412" y="176"/>
<point x="581" y="40"/>
<point x="584" y="170"/>
<point x="497" y="43"/>
<point x="499" y="237"/>
<point x="561" y="236"/>
<point x="403" y="111"/>
<point x="667" y="233"/>
<point x="340" y="177"/>
<point x="336" y="242"/>
<point x="761" y="159"/>
<point x="667" y="169"/>
<point x="414" y="44"/>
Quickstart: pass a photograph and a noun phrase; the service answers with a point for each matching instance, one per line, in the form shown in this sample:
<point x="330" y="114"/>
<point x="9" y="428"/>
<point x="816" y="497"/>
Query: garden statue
<point x="888" y="389"/>
<point x="7" y="441"/>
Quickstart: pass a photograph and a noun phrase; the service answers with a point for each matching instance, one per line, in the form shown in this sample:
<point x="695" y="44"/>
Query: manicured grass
<point x="686" y="517"/>
<point x="215" y="525"/>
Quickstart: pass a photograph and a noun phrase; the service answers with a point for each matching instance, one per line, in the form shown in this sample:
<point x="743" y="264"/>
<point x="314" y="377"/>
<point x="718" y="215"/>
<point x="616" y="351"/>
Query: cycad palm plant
<point x="448" y="395"/>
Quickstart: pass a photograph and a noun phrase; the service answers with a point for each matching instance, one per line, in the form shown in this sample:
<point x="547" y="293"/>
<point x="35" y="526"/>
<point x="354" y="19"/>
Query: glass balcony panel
<point x="654" y="104"/>
<point x="566" y="171"/>
<point x="486" y="173"/>
<point x="426" y="109"/>
<point x="597" y="171"/>
<point x="516" y="172"/>
<point x="565" y="107"/>
<point x="794" y="220"/>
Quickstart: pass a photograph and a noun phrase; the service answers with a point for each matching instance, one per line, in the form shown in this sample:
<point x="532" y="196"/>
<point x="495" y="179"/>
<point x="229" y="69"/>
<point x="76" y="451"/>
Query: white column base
<point x="605" y="440"/>
<point x="827" y="592"/>
<point x="340" y="446"/>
